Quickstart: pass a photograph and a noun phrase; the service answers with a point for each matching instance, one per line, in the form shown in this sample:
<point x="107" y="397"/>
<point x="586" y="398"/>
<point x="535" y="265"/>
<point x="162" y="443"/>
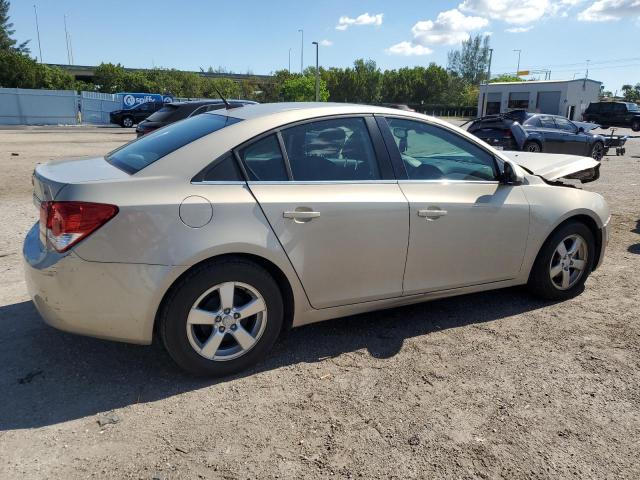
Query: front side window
<point x="566" y="125"/>
<point x="633" y="107"/>
<point x="263" y="160"/>
<point x="338" y="149"/>
<point x="434" y="153"/>
<point x="136" y="155"/>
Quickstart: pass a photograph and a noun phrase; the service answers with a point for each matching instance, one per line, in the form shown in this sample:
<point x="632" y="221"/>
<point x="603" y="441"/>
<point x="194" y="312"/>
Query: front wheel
<point x="127" y="122"/>
<point x="531" y="147"/>
<point x="563" y="263"/>
<point x="635" y="125"/>
<point x="597" y="151"/>
<point x="222" y="318"/>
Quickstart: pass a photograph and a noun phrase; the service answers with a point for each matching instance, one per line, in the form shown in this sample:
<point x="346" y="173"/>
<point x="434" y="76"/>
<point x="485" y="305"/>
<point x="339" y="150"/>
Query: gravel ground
<point x="492" y="385"/>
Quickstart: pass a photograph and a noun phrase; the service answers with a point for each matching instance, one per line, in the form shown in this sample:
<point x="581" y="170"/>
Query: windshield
<point x="134" y="156"/>
<point x="162" y="114"/>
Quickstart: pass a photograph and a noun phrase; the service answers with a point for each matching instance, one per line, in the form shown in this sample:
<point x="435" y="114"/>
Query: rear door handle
<point x="431" y="213"/>
<point x="301" y="214"/>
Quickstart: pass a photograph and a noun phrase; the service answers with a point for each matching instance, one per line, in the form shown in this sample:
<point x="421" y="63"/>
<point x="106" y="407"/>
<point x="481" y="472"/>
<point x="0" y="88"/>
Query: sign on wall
<point x="131" y="100"/>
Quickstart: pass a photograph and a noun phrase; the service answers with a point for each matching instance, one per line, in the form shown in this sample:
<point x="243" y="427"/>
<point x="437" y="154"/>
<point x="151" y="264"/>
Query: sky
<point x="255" y="36"/>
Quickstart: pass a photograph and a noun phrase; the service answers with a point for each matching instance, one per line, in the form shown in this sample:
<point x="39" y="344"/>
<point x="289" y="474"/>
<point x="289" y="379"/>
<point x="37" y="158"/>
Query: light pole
<point x="486" y="89"/>
<point x="289" y="60"/>
<point x="518" y="67"/>
<point x="38" y="30"/>
<point x="490" y="58"/>
<point x="66" y="37"/>
<point x="317" y="74"/>
<point x="301" y="51"/>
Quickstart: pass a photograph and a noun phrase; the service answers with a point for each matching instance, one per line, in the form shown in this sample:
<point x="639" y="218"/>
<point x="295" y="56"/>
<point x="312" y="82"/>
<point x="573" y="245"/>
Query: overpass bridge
<point x="87" y="72"/>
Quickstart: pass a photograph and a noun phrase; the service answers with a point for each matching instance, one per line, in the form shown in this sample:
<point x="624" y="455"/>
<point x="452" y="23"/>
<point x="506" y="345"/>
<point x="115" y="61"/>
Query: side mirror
<point x="509" y="176"/>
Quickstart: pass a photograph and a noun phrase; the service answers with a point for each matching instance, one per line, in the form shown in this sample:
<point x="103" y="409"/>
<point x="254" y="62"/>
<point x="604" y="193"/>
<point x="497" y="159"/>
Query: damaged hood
<point x="552" y="167"/>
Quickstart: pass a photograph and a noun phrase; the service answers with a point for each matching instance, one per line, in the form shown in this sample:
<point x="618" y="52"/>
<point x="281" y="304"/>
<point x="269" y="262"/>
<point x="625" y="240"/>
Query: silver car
<point x="220" y="231"/>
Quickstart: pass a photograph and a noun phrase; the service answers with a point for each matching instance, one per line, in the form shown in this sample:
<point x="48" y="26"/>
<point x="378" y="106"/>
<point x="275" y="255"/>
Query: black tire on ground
<point x="540" y="282"/>
<point x="531" y="146"/>
<point x="597" y="151"/>
<point x="635" y="125"/>
<point x="173" y="317"/>
<point x="127" y="122"/>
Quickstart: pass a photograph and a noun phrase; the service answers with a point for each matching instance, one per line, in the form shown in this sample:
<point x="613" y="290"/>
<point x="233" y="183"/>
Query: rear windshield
<point x="140" y="153"/>
<point x="162" y="114"/>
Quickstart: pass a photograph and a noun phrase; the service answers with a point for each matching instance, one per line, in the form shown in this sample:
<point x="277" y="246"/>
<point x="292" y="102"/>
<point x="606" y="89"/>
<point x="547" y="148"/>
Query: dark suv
<point x="620" y="114"/>
<point x="172" y="112"/>
<point x="128" y="118"/>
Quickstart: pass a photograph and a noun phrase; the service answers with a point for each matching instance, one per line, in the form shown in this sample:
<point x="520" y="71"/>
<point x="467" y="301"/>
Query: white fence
<point x="96" y="106"/>
<point x="21" y="106"/>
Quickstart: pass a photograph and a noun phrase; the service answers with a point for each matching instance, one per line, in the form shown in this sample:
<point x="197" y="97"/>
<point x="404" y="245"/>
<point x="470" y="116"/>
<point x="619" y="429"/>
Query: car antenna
<point x="227" y="105"/>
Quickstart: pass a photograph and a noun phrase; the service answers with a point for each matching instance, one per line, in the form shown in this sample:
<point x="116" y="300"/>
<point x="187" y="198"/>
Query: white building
<point x="569" y="98"/>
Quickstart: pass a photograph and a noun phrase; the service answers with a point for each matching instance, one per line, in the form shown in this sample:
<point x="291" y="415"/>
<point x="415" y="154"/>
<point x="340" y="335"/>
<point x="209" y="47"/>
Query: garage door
<point x="549" y="102"/>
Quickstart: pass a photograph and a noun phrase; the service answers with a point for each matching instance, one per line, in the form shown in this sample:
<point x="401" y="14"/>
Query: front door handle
<point x="301" y="214"/>
<point x="432" y="213"/>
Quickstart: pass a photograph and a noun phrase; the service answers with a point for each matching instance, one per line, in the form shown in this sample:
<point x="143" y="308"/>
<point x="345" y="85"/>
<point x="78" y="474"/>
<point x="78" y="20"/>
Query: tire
<point x="189" y="344"/>
<point x="127" y="122"/>
<point x="597" y="151"/>
<point x="541" y="282"/>
<point x="531" y="146"/>
<point x="635" y="125"/>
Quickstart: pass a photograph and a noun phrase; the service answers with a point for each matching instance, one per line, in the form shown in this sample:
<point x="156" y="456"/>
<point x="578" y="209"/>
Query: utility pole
<point x="490" y="58"/>
<point x="66" y="37"/>
<point x="518" y="67"/>
<point x="301" y="51"/>
<point x="38" y="30"/>
<point x="587" y="74"/>
<point x="289" y="60"/>
<point x="317" y="74"/>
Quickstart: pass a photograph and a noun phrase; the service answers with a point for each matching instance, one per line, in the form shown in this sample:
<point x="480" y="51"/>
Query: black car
<point x="536" y="132"/>
<point x="620" y="114"/>
<point x="172" y="112"/>
<point x="128" y="118"/>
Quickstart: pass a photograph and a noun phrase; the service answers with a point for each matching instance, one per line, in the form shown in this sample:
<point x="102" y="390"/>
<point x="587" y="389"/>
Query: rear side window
<point x="533" y="122"/>
<point x="547" y="122"/>
<point x="224" y="169"/>
<point x="633" y="107"/>
<point x="140" y="153"/>
<point x="263" y="160"/>
<point x="593" y="108"/>
<point x="330" y="150"/>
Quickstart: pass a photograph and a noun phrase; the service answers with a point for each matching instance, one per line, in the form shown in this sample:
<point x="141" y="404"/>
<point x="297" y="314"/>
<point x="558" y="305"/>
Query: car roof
<point x="306" y="110"/>
<point x="212" y="101"/>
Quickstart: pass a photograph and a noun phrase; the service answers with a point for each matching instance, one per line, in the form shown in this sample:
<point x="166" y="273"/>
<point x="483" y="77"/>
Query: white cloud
<point x="519" y="29"/>
<point x="608" y="10"/>
<point x="408" y="49"/>
<point x="449" y="28"/>
<point x="326" y="43"/>
<point x="517" y="12"/>
<point x="345" y="22"/>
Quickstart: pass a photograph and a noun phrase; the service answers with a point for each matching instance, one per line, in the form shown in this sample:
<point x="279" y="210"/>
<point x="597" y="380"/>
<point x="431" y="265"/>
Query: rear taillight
<point x="66" y="223"/>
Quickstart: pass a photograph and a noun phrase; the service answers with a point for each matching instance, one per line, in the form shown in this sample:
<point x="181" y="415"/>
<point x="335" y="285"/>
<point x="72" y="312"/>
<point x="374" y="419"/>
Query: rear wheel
<point x="222" y="318"/>
<point x="127" y="122"/>
<point x="563" y="263"/>
<point x="597" y="151"/>
<point x="531" y="147"/>
<point x="635" y="125"/>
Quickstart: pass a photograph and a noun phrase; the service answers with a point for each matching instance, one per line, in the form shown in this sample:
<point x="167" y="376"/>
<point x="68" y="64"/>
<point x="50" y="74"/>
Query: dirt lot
<point x="493" y="385"/>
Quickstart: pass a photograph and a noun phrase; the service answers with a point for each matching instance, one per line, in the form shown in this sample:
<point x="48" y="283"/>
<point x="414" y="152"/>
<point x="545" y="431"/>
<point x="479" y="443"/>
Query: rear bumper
<point x="114" y="301"/>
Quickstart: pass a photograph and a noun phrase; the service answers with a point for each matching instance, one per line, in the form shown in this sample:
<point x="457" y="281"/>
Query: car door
<point x="606" y="114"/>
<point x="553" y="138"/>
<point x="328" y="191"/>
<point x="621" y="115"/>
<point x="466" y="227"/>
<point x="572" y="142"/>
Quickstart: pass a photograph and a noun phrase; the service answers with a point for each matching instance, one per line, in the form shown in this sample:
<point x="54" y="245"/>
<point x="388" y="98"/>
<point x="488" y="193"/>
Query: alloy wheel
<point x="598" y="151"/>
<point x="532" y="147"/>
<point x="568" y="262"/>
<point x="226" y="321"/>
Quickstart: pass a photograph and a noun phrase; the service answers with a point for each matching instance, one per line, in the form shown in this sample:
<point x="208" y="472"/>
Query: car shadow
<point x="49" y="376"/>
<point x="635" y="248"/>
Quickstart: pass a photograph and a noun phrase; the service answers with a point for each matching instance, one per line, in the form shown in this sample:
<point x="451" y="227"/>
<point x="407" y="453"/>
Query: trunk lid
<point x="50" y="178"/>
<point x="552" y="167"/>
